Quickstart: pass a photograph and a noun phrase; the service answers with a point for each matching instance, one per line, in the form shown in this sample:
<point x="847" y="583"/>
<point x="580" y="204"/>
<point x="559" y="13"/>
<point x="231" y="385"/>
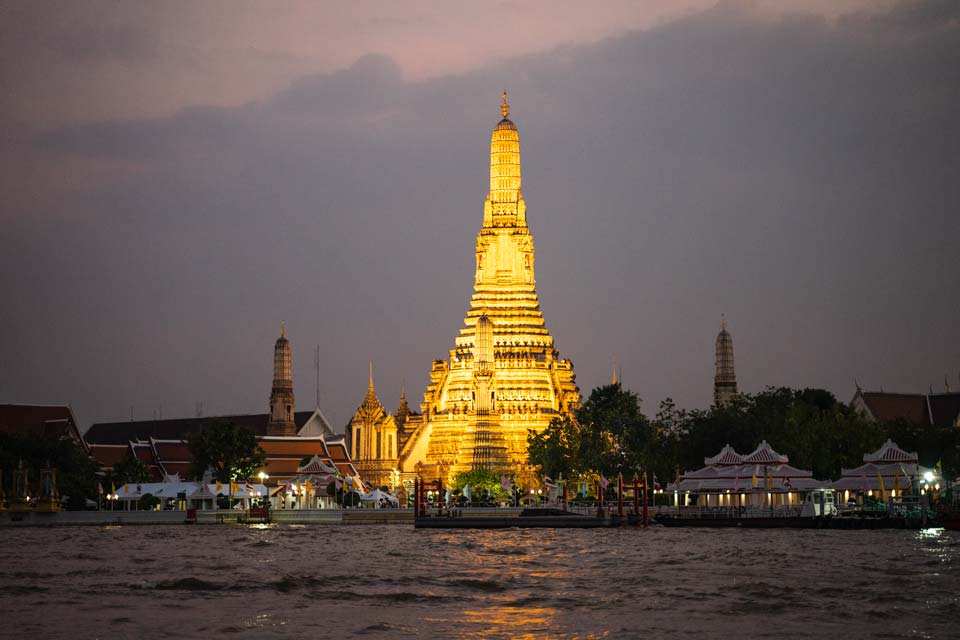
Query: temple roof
<point x="764" y="454"/>
<point x="727" y="455"/>
<point x="890" y="452"/>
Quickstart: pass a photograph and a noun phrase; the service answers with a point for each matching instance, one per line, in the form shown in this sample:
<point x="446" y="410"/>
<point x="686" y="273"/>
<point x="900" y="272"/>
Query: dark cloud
<point x="801" y="176"/>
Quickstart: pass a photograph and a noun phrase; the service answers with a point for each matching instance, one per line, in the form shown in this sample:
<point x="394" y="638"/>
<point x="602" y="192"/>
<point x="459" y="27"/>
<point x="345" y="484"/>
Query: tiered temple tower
<point x="725" y="379"/>
<point x="373" y="440"/>
<point x="281" y="395"/>
<point x="504" y="376"/>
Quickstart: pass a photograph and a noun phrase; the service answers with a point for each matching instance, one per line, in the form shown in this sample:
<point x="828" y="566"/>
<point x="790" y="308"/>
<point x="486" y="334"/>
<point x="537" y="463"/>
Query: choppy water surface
<point x="393" y="581"/>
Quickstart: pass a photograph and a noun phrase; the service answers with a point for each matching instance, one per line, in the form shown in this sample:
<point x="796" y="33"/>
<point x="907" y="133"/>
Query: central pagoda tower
<point x="504" y="376"/>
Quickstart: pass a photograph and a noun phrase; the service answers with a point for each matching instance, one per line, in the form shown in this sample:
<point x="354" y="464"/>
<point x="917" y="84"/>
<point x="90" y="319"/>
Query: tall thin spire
<point x="505" y="106"/>
<point x="725" y="377"/>
<point x="613" y="363"/>
<point x="281" y="421"/>
<point x="370" y="386"/>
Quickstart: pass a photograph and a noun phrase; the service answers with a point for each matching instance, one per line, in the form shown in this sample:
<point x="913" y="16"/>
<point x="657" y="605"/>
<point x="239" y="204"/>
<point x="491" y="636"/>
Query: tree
<point x="129" y="470"/>
<point x="230" y="452"/>
<point x="608" y="434"/>
<point x="478" y="479"/>
<point x="555" y="449"/>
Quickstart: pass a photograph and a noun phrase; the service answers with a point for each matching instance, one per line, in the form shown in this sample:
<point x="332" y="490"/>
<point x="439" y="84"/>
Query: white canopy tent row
<point x="176" y="494"/>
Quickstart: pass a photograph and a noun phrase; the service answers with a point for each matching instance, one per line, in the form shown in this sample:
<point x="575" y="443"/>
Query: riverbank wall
<point x="291" y="516"/>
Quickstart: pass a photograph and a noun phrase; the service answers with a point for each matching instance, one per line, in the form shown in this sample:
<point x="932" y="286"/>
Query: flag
<point x="219" y="486"/>
<point x="880" y="479"/>
<point x="505" y="483"/>
<point x="603" y="482"/>
<point x="139" y="489"/>
<point x="249" y="487"/>
<point x="113" y="487"/>
<point x="309" y="486"/>
<point x="786" y="483"/>
<point x="100" y="488"/>
<point x="337" y="483"/>
<point x="753" y="480"/>
<point x="234" y="488"/>
<point x="126" y="488"/>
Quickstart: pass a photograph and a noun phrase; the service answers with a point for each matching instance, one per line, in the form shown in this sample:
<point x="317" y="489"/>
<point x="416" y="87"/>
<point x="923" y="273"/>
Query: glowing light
<point x="928" y="476"/>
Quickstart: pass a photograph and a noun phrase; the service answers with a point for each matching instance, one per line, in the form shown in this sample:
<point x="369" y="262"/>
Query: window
<point x="356" y="443"/>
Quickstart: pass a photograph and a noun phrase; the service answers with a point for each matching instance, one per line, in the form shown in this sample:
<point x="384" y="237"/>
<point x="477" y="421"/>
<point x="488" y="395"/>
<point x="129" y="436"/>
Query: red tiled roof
<point x="107" y="455"/>
<point x="889" y="407"/>
<point x="346" y="468"/>
<point x="172" y="451"/>
<point x="298" y="447"/>
<point x="338" y="451"/>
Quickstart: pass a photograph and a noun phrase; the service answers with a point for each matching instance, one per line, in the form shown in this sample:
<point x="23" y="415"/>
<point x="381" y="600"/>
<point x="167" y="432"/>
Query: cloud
<point x="800" y="175"/>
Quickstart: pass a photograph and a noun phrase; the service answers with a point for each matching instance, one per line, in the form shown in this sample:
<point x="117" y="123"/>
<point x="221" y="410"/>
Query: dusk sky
<point x="178" y="178"/>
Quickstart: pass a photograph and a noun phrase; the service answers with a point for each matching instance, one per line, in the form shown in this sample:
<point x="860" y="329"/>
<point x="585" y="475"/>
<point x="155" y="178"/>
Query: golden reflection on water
<point x="522" y="623"/>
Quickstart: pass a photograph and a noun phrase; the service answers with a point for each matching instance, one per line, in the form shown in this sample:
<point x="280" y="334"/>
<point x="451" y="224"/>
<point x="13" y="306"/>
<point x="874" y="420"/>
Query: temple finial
<point x="723" y="322"/>
<point x="371" y="375"/>
<point x="613" y="363"/>
<point x="283" y="329"/>
<point x="505" y="107"/>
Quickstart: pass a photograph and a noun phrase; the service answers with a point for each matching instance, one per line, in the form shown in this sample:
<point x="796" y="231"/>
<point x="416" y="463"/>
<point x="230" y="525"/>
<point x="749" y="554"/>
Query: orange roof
<point x="338" y="452"/>
<point x="107" y="455"/>
<point x="299" y="448"/>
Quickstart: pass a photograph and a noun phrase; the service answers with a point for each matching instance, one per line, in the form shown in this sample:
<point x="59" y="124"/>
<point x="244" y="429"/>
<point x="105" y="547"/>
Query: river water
<point x="393" y="581"/>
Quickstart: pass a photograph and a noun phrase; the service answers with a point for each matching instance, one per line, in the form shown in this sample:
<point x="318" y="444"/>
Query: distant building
<point x="918" y="409"/>
<point x="725" y="378"/>
<point x="281" y="395"/>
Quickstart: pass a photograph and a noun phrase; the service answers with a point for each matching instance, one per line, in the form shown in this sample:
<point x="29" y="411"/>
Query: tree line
<point x="611" y="434"/>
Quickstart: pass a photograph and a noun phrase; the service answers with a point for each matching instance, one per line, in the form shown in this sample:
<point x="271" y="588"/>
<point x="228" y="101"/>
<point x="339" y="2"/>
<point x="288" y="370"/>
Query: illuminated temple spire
<point x="281" y="421"/>
<point x="725" y="379"/>
<point x="507" y="378"/>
